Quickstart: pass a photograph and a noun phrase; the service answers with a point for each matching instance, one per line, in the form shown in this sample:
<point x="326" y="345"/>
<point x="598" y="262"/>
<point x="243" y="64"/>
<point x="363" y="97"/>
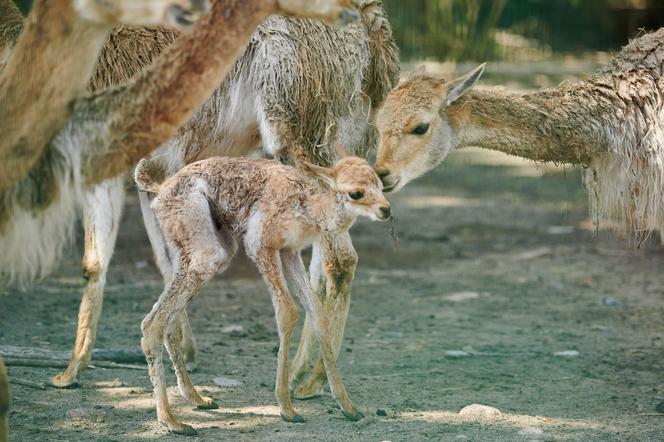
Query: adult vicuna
<point x="111" y="130"/>
<point x="298" y="87"/>
<point x="210" y="206"/>
<point x="612" y="124"/>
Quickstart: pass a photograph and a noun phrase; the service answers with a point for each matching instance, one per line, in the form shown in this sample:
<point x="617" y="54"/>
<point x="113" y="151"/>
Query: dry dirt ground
<point x="497" y="259"/>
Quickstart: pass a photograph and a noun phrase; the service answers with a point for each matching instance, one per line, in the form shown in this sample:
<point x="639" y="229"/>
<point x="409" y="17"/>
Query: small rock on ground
<point x="226" y="382"/>
<point x="479" y="411"/>
<point x="531" y="432"/>
<point x="567" y="353"/>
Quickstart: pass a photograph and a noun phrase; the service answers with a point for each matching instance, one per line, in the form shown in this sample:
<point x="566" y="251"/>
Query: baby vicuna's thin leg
<point x="176" y="350"/>
<point x="161" y="319"/>
<point x="297" y="274"/>
<point x="198" y="254"/>
<point x="269" y="264"/>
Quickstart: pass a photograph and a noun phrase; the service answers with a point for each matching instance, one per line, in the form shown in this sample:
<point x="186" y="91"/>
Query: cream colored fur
<point x="207" y="208"/>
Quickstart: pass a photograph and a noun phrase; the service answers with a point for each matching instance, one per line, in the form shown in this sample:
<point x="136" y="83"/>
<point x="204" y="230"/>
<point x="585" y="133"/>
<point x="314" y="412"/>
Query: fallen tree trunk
<point x="118" y="356"/>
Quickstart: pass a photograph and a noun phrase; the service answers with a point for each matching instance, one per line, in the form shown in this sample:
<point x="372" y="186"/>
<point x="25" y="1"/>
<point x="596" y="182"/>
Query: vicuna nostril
<point x="382" y="173"/>
<point x="385" y="211"/>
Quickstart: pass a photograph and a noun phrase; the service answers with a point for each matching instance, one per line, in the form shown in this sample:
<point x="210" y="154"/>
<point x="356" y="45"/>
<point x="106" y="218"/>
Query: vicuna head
<point x="359" y="186"/>
<point x="414" y="126"/>
<point x="178" y="13"/>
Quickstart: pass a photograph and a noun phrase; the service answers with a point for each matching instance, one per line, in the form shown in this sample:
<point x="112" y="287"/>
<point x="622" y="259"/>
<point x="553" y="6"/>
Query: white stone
<point x="567" y="353"/>
<point x="462" y="296"/>
<point x="479" y="411"/>
<point x="226" y="382"/>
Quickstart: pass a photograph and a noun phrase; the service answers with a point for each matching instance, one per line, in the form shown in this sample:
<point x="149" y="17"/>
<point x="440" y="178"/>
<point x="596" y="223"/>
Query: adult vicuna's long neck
<point x="51" y="64"/>
<point x="550" y="125"/>
<point x="151" y="109"/>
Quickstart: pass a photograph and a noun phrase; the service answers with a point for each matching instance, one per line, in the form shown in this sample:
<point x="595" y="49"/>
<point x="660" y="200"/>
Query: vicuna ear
<point x="322" y="174"/>
<point x="418" y="72"/>
<point x="461" y="85"/>
<point x="341" y="151"/>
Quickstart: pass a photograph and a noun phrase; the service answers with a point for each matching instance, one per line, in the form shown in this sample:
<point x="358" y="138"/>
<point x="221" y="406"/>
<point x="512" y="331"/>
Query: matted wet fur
<point x="210" y="206"/>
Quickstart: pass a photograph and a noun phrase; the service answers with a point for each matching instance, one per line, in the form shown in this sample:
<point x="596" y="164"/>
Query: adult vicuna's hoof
<point x="353" y="415"/>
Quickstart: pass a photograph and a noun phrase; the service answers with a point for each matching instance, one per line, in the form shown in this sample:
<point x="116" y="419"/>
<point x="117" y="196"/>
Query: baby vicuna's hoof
<point x="294" y="419"/>
<point x="181" y="429"/>
<point x="354" y="415"/>
<point x="209" y="404"/>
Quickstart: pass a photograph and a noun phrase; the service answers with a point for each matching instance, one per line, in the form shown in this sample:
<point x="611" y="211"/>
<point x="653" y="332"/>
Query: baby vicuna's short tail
<point x="148" y="176"/>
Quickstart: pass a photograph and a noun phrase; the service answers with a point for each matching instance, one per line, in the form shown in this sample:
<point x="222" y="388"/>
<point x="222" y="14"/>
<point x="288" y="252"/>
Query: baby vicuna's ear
<point x="342" y="152"/>
<point x="323" y="174"/>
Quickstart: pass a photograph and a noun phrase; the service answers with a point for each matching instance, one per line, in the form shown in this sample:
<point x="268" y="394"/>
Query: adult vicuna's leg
<point x="5" y="399"/>
<point x="163" y="261"/>
<point x="269" y="264"/>
<point x="332" y="270"/>
<point x="322" y="326"/>
<point x="102" y="209"/>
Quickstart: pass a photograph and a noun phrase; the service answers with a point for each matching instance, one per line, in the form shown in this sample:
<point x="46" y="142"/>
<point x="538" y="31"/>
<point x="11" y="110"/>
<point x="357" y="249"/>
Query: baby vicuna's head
<point x="359" y="186"/>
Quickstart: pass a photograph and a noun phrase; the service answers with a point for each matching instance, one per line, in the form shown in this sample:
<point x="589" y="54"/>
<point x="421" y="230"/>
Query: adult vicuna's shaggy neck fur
<point x="612" y="123"/>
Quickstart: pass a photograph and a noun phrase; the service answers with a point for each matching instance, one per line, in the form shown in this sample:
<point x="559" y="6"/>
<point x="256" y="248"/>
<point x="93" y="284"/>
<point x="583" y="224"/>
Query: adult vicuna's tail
<point x="148" y="176"/>
<point x="383" y="71"/>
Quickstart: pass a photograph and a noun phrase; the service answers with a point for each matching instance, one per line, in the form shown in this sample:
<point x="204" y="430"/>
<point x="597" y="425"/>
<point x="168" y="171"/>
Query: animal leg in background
<point x="102" y="212"/>
<point x="5" y="400"/>
<point x="332" y="270"/>
<point x="322" y="326"/>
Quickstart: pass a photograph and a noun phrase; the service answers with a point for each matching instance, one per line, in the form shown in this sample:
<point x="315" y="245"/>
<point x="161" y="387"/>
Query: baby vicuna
<point x="210" y="205"/>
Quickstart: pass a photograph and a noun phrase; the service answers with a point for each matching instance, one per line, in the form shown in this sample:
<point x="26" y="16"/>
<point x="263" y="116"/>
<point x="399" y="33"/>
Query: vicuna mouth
<point x="187" y="17"/>
<point x="387" y="188"/>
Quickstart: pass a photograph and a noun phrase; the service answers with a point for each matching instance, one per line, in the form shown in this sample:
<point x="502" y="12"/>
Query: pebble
<point x="456" y="354"/>
<point x="79" y="413"/>
<point x="531" y="431"/>
<point x="462" y="296"/>
<point x="226" y="382"/>
<point x="660" y="407"/>
<point x="233" y="328"/>
<point x="480" y="411"/>
<point x="560" y="230"/>
<point x="367" y="420"/>
<point x="567" y="353"/>
<point x="611" y="302"/>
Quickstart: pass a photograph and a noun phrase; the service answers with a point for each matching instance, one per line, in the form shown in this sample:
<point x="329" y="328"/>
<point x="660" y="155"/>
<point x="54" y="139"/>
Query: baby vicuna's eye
<point x="421" y="129"/>
<point x="356" y="195"/>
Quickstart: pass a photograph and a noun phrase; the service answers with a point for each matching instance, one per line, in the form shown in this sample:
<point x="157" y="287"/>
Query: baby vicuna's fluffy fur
<point x="207" y="207"/>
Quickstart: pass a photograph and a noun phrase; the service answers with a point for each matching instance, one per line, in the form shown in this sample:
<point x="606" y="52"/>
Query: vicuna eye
<point x="356" y="195"/>
<point x="421" y="129"/>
